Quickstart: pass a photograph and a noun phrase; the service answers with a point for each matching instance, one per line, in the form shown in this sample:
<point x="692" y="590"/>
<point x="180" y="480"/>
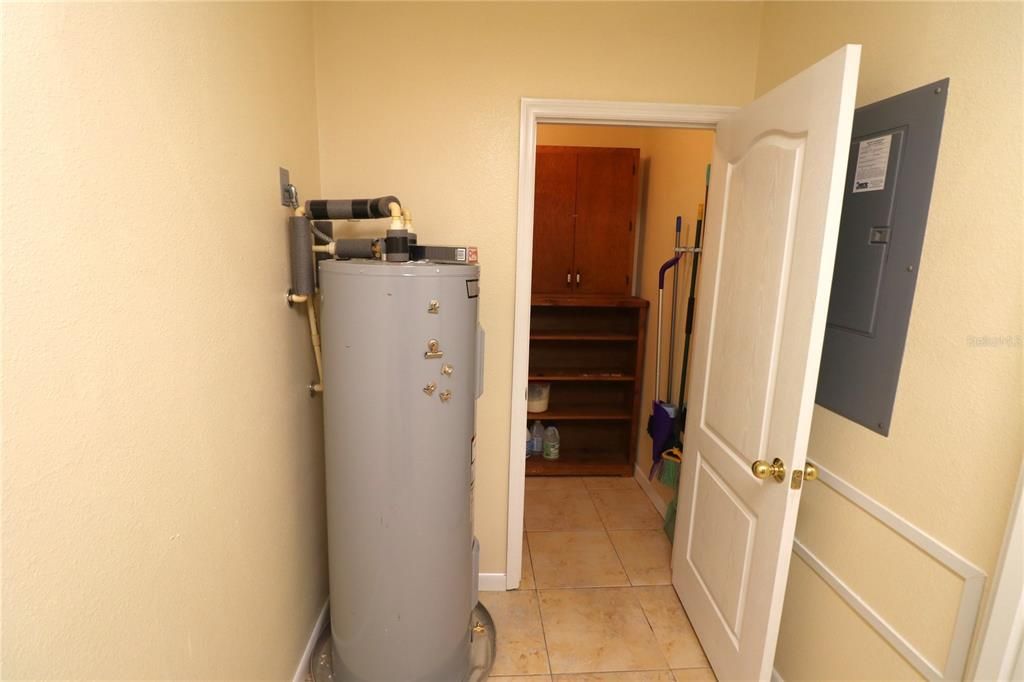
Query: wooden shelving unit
<point x="584" y="412"/>
<point x="590" y="349"/>
<point x="579" y="336"/>
<point x="577" y="463"/>
<point x="577" y="374"/>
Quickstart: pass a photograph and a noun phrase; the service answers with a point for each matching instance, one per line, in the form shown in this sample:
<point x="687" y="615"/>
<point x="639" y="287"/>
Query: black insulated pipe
<point x="300" y="245"/>
<point x="349" y="209"/>
<point x="354" y="248"/>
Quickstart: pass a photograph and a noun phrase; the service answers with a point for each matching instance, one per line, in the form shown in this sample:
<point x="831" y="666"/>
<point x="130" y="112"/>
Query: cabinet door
<point x="554" y="220"/>
<point x="606" y="191"/>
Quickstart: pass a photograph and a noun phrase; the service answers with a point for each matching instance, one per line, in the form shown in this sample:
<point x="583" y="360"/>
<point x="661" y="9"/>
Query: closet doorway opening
<point x="607" y="203"/>
<point x="600" y="187"/>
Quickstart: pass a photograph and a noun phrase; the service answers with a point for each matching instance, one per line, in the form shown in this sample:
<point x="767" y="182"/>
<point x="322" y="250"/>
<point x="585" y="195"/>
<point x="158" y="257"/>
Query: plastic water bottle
<point x="537" y="437"/>
<point x="551" y="443"/>
<point x="529" y="443"/>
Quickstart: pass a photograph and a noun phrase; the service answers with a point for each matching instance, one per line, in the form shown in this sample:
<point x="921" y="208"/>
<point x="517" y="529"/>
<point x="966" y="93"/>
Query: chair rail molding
<point x="954" y="667"/>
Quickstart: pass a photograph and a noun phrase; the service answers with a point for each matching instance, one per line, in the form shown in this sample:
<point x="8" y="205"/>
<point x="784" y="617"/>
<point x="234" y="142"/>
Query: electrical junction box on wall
<point x="893" y="152"/>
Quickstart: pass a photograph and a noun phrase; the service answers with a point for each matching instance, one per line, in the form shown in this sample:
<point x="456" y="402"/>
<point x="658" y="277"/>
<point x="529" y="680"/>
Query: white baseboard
<point x="652" y="494"/>
<point x="321" y="622"/>
<point x="492" y="582"/>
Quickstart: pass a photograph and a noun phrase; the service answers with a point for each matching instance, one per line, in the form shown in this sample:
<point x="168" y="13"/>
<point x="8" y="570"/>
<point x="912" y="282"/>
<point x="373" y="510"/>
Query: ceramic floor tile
<point x="557" y="510"/>
<point x="695" y="675"/>
<point x="527" y="581"/>
<point x="635" y="676"/>
<point x="598" y="630"/>
<point x="521" y="678"/>
<point x="520" y="646"/>
<point x="575" y="559"/>
<point x="567" y="484"/>
<point x="625" y="510"/>
<point x="610" y="483"/>
<point x="671" y="627"/>
<point x="645" y="554"/>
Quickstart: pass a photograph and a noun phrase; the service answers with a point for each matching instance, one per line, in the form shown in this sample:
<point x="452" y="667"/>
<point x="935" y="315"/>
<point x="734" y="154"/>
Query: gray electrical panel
<point x="893" y="151"/>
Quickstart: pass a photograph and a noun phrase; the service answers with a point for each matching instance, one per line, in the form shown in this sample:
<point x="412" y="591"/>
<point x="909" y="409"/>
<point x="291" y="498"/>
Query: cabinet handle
<point x="577" y="278"/>
<point x="568" y="278"/>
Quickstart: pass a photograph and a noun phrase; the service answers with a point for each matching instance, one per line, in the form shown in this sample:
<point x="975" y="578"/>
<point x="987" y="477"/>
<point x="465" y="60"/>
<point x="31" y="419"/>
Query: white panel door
<point x="773" y="218"/>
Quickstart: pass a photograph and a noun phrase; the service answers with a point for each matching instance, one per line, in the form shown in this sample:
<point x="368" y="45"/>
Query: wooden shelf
<point x="574" y="374"/>
<point x="587" y="301"/>
<point x="581" y="462"/>
<point x="576" y="335"/>
<point x="591" y="350"/>
<point x="583" y="412"/>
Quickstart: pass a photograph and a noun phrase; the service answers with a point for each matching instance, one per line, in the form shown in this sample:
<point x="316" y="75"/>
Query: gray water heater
<point x="402" y="362"/>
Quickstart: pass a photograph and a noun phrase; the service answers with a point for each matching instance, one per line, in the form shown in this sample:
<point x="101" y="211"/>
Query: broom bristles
<point x="670" y="521"/>
<point x="669" y="474"/>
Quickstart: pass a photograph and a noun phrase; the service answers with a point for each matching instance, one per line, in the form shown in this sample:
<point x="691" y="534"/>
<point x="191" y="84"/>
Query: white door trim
<point x="1001" y="646"/>
<point x="588" y="112"/>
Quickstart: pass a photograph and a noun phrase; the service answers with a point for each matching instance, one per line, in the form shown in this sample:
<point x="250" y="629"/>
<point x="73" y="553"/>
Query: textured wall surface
<point x="162" y="461"/>
<point x="431" y="113"/>
<point x="950" y="463"/>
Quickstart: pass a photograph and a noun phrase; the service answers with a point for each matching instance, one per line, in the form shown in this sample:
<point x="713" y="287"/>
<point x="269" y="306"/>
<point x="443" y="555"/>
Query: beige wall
<point x="162" y="485"/>
<point x="674" y="161"/>
<point x="430" y="112"/>
<point x="951" y="460"/>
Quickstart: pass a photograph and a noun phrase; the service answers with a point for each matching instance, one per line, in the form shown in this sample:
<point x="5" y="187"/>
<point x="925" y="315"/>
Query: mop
<point x="661" y="423"/>
<point x="672" y="460"/>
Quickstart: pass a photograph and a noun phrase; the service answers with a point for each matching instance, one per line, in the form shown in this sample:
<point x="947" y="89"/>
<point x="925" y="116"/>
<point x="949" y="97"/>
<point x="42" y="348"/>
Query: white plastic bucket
<point x="537" y="395"/>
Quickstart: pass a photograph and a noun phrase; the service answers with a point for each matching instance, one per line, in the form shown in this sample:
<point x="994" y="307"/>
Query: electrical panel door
<point x="889" y="178"/>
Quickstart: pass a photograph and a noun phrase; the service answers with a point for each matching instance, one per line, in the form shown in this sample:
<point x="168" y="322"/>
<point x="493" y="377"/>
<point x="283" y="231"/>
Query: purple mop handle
<point x="668" y="265"/>
<point x="671" y="262"/>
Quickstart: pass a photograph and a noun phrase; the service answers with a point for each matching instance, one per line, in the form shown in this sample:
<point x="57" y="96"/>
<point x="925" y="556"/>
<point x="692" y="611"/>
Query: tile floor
<point x="596" y="602"/>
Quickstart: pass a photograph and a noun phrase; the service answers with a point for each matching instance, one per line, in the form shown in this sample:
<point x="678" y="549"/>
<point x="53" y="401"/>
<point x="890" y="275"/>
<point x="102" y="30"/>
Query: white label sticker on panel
<point x="872" y="163"/>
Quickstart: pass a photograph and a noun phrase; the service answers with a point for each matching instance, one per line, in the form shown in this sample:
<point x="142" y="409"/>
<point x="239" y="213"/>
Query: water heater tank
<point x="400" y="356"/>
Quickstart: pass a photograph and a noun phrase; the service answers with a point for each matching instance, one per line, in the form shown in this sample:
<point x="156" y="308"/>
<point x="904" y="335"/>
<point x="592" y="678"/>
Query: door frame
<point x="1000" y="646"/>
<point x="578" y="112"/>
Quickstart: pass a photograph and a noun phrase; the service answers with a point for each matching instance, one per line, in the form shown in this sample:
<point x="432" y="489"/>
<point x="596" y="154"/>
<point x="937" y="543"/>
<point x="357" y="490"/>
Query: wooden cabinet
<point x="584" y="217"/>
<point x="590" y="349"/>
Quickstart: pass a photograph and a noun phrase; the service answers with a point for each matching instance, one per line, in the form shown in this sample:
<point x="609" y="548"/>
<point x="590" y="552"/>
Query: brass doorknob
<point x="763" y="470"/>
<point x="810" y="472"/>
